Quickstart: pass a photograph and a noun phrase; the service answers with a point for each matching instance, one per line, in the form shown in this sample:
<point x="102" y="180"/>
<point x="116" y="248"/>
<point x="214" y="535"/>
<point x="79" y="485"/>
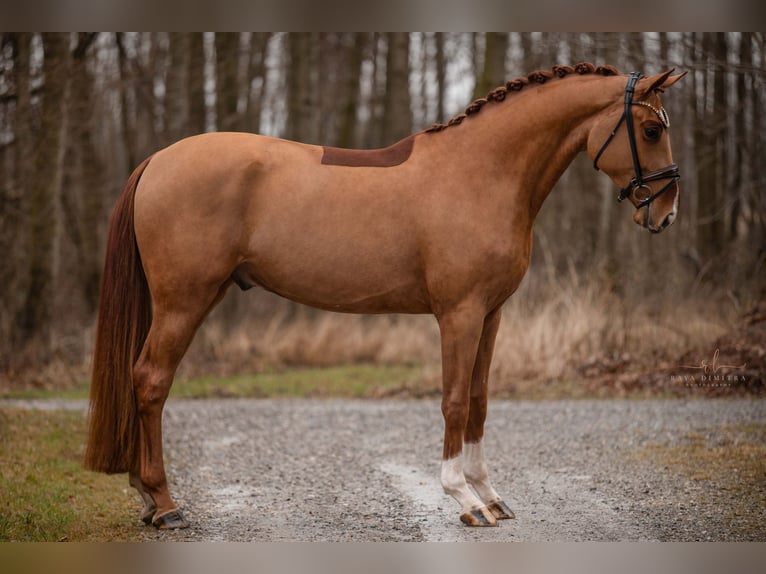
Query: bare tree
<point x="302" y="87"/>
<point x="195" y="90"/>
<point x="349" y="102"/>
<point x="256" y="80"/>
<point x="397" y="115"/>
<point x="493" y="72"/>
<point x="82" y="199"/>
<point x="441" y="75"/>
<point x="44" y="188"/>
<point x="176" y="85"/>
<point x="16" y="160"/>
<point x="227" y="86"/>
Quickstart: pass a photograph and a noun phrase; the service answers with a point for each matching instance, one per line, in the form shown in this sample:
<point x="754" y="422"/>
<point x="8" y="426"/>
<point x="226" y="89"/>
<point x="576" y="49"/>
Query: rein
<point x="641" y="179"/>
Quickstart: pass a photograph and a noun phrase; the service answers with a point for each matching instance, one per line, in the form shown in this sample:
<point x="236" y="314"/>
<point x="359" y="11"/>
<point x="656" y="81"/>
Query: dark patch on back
<point x="385" y="157"/>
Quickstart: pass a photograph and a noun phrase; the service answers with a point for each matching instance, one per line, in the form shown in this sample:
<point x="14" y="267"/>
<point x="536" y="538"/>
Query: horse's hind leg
<point x="474" y="463"/>
<point x="174" y="322"/>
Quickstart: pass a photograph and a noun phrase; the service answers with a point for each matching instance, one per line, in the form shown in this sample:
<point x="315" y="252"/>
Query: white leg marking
<point x="454" y="484"/>
<point x="476" y="474"/>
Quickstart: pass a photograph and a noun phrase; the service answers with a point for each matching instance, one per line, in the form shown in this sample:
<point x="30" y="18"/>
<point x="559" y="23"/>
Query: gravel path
<point x="344" y="470"/>
<point x="368" y="470"/>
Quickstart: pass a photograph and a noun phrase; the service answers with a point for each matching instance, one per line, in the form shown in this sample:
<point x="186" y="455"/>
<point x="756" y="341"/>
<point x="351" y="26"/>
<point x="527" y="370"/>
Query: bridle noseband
<point x="641" y="179"/>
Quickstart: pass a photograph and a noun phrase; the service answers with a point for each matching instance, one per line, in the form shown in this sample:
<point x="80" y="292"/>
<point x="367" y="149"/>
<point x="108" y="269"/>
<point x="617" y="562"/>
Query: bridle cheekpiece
<point x="641" y="179"/>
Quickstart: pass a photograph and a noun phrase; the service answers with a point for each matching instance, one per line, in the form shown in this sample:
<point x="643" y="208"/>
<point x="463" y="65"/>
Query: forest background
<point x="79" y="111"/>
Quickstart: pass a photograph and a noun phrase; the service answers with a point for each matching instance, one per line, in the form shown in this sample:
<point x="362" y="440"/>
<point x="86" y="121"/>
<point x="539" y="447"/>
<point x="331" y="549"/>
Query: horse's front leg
<point x="461" y="330"/>
<point x="474" y="462"/>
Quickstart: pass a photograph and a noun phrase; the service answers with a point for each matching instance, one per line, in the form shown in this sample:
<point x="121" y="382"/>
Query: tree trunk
<point x="302" y="96"/>
<point x="723" y="193"/>
<point x="373" y="127"/>
<point x="13" y="228"/>
<point x="45" y="184"/>
<point x="82" y="198"/>
<point x="709" y="212"/>
<point x="757" y="153"/>
<point x="148" y="137"/>
<point x="441" y="76"/>
<point x="397" y="114"/>
<point x="493" y="73"/>
<point x="176" y="86"/>
<point x="635" y="51"/>
<point x="350" y="95"/>
<point x="740" y="167"/>
<point x="664" y="51"/>
<point x="259" y="45"/>
<point x="226" y="84"/>
<point x="530" y="57"/>
<point x="127" y="104"/>
<point x="195" y="91"/>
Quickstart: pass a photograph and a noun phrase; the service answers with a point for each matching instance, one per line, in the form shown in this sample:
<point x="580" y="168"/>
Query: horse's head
<point x="630" y="143"/>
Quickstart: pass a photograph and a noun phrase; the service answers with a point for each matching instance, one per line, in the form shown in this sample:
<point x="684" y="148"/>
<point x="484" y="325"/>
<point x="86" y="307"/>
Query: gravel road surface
<point x="354" y="470"/>
<point x="341" y="470"/>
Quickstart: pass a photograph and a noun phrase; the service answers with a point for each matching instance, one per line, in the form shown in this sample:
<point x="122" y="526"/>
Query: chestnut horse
<point x="438" y="223"/>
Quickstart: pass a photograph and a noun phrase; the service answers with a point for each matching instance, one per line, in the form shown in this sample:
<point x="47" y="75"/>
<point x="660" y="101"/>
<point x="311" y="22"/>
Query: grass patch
<point x="347" y="381"/>
<point x="735" y="456"/>
<point x="350" y="381"/>
<point x="46" y="495"/>
<point x="77" y="392"/>
<point x="728" y="467"/>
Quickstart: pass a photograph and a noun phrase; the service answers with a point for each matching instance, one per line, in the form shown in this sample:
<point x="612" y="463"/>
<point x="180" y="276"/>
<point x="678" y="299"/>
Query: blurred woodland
<point x="79" y="111"/>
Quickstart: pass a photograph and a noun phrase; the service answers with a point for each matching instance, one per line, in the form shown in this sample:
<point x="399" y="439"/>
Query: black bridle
<point x="641" y="179"/>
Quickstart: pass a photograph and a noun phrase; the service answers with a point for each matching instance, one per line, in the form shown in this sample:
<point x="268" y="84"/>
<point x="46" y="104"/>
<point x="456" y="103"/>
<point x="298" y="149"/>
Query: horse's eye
<point x="652" y="133"/>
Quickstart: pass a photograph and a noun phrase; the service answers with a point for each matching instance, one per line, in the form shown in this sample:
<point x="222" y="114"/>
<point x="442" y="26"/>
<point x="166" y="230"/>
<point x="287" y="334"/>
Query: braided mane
<point x="539" y="77"/>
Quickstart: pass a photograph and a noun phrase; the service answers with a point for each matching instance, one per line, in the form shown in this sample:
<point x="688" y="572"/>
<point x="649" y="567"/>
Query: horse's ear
<point x="659" y="82"/>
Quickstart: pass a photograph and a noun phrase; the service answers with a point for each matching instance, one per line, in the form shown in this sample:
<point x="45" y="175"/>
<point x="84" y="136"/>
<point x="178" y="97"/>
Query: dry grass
<point x="551" y="332"/>
<point x="556" y="332"/>
<point x="563" y="333"/>
<point x="322" y="339"/>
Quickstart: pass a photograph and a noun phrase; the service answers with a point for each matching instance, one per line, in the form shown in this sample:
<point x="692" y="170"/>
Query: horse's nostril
<point x="668" y="220"/>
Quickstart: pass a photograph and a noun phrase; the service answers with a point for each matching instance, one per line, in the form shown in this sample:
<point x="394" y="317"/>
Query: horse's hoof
<point x="170" y="520"/>
<point x="478" y="517"/>
<point x="500" y="510"/>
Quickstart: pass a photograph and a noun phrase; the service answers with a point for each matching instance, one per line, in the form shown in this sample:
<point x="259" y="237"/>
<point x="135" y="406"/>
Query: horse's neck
<point x="536" y="134"/>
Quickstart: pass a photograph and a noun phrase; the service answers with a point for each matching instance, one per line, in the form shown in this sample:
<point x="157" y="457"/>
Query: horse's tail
<point x="124" y="318"/>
